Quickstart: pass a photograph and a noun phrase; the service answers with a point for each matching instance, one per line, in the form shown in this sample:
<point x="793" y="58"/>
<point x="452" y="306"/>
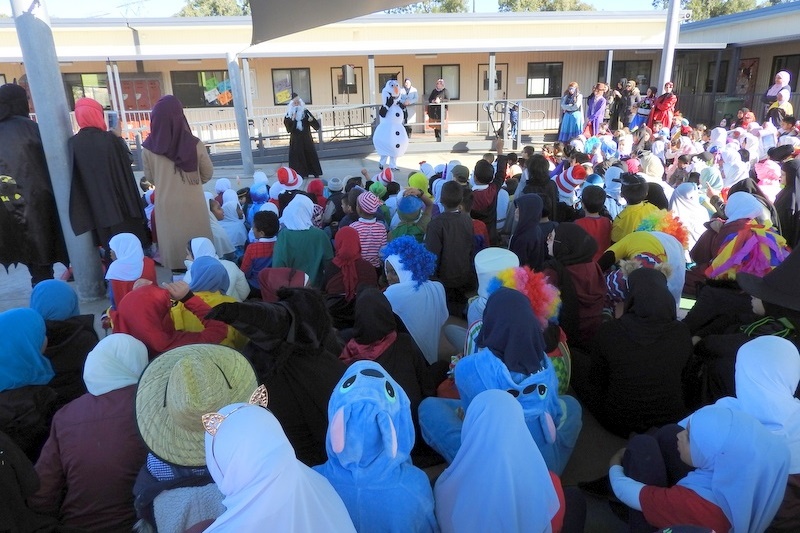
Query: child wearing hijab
<point x="409" y="266"/>
<point x="369" y="442"/>
<point x="24" y="371"/>
<point x="787" y="202"/>
<point x="238" y="288"/>
<point x="579" y="279"/>
<point x="767" y="376"/>
<point x="497" y="450"/>
<point x="233" y="224"/>
<point x="300" y="245"/>
<point x="219" y="236"/>
<point x="70" y="335"/>
<point x="91" y="459"/>
<point x="345" y="274"/>
<point x="209" y="283"/>
<point x="128" y="265"/>
<point x="685" y="205"/>
<point x="527" y="240"/>
<point x="633" y="381"/>
<point x="144" y="313"/>
<point x="511" y="357"/>
<point x="255" y="468"/>
<point x="738" y="481"/>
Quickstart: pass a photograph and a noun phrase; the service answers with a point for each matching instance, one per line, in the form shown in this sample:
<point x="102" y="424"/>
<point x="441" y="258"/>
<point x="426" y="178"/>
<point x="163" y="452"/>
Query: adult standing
<point x="302" y="154"/>
<point x="438" y="95"/>
<point x="630" y="97"/>
<point x="595" y="110"/>
<point x="663" y="107"/>
<point x="409" y="96"/>
<point x="571" y="113"/>
<point x="617" y="105"/>
<point x="103" y="197"/>
<point x="30" y="232"/>
<point x="178" y="164"/>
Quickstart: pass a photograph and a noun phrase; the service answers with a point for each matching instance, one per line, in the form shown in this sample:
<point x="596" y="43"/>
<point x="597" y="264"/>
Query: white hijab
<point x="407" y="298"/>
<point x="767" y="374"/>
<point x="264" y="485"/>
<point x="734" y="169"/>
<point x="298" y="214"/>
<point x="222" y="185"/>
<point x="232" y="224"/>
<point x="202" y="247"/>
<point x="496" y="451"/>
<point x="783" y="82"/>
<point x="230" y="196"/>
<point x="685" y="205"/>
<point x="129" y="264"/>
<point x="116" y="361"/>
<point x="743" y="205"/>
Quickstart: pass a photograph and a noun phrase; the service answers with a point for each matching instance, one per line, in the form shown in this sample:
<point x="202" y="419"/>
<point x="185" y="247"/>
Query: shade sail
<point x="274" y="18"/>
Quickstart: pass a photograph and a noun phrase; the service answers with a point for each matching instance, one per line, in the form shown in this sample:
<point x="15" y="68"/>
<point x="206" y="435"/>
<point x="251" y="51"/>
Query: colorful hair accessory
<point x="212" y="421"/>
<point x="756" y="250"/>
<point x="545" y="298"/>
<point x="666" y="222"/>
<point x="415" y="257"/>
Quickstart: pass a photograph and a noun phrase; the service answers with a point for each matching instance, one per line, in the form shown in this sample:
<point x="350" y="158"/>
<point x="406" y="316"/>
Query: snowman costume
<point x="390" y="138"/>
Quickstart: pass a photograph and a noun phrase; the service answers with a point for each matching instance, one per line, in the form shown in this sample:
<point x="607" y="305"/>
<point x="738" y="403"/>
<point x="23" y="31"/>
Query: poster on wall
<point x="746" y="80"/>
<point x="283" y="90"/>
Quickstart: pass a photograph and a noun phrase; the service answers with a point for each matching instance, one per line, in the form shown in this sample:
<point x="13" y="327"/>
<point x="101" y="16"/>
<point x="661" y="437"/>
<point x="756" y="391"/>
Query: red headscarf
<point x="347" y="248"/>
<point x="317" y="188"/>
<point x="89" y="114"/>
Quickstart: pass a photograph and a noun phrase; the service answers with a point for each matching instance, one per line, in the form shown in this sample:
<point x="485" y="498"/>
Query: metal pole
<point x="123" y="117"/>
<point x="371" y="76"/>
<point x="112" y="93"/>
<point x="47" y="89"/>
<point x="241" y="115"/>
<point x="609" y="62"/>
<point x="248" y="90"/>
<point x="670" y="40"/>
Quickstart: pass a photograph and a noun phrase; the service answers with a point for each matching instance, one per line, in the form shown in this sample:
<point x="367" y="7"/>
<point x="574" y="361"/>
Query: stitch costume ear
<point x="388" y="433"/>
<point x="337" y="431"/>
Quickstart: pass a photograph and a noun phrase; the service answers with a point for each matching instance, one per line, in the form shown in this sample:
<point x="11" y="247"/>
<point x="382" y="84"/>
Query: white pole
<point x="248" y="90"/>
<point x="609" y="61"/>
<point x="47" y="89"/>
<point x="123" y="117"/>
<point x="670" y="41"/>
<point x="246" y="148"/>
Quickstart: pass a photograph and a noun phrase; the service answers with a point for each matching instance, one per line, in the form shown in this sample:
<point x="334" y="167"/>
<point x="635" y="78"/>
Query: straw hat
<point x="178" y="388"/>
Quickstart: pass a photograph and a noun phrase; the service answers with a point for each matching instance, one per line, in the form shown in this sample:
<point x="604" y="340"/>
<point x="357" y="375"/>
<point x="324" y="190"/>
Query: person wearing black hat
<point x="776" y="311"/>
<point x="634" y="190"/>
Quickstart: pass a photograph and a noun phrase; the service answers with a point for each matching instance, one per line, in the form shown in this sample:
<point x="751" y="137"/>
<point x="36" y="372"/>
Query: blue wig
<point x="415" y="257"/>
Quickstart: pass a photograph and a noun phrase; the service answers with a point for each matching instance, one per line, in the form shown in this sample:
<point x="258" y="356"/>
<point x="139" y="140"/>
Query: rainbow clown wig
<point x="666" y="222"/>
<point x="418" y="263"/>
<point x="755" y="249"/>
<point x="545" y="298"/>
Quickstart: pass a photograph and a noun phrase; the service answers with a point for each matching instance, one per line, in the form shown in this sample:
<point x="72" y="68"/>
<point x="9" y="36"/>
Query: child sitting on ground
<point x="414" y="210"/>
<point x="371" y="232"/>
<point x="258" y="255"/>
<point x="596" y="225"/>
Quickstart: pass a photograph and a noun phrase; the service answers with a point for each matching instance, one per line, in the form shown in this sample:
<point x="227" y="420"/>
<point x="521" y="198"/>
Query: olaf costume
<point x="390" y="138"/>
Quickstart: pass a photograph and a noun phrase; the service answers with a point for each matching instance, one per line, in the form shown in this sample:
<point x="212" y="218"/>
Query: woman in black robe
<point x="527" y="241"/>
<point x="104" y="196"/>
<point x="30" y="231"/>
<point x="303" y="156"/>
<point x="786" y="203"/>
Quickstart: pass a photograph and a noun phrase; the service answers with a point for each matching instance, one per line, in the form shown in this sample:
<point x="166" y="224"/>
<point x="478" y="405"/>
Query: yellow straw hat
<point x="178" y="388"/>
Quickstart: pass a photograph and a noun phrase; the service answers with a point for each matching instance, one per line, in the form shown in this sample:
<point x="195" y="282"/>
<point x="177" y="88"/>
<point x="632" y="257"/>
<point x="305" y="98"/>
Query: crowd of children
<point x="567" y="266"/>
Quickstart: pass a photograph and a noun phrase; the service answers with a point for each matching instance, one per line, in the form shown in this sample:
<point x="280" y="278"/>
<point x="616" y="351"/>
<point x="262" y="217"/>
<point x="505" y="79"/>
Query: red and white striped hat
<point x="384" y="176"/>
<point x="289" y="178"/>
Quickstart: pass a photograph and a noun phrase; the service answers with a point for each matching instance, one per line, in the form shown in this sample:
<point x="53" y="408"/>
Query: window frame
<point x="601" y="73"/>
<point x="547" y="65"/>
<point x="453" y="93"/>
<point x="194" y="100"/>
<point x="305" y="96"/>
<point x="779" y="63"/>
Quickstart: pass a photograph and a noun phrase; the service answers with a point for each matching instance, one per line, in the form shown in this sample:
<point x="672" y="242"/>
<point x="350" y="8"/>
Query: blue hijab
<point x="55" y="300"/>
<point x="369" y="441"/>
<point x="511" y="331"/>
<point x="740" y="466"/>
<point x="209" y="275"/>
<point x="21" y="359"/>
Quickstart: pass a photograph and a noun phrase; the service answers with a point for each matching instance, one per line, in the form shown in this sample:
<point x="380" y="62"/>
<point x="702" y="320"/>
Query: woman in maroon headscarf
<point x="104" y="197"/>
<point x="178" y="164"/>
<point x="344" y="274"/>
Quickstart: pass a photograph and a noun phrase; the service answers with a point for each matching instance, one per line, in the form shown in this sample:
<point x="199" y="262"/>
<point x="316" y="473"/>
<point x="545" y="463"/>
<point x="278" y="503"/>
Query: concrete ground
<point x="595" y="445"/>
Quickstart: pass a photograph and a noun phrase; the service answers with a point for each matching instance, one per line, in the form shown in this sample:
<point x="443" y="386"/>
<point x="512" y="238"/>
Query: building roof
<point x="765" y="25"/>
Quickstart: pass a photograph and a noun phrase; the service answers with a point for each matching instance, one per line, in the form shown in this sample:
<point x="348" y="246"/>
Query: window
<point x="544" y="79"/>
<point x="202" y="88"/>
<point x="723" y="76"/>
<point x="287" y="81"/>
<point x="789" y="64"/>
<point x="451" y="74"/>
<point x="95" y="86"/>
<point x="630" y="70"/>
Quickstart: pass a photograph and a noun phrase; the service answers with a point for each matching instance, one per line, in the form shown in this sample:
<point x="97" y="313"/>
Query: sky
<point x="166" y="8"/>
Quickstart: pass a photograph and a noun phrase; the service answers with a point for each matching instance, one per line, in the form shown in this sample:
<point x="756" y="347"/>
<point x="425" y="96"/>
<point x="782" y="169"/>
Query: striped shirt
<point x="372" y="235"/>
